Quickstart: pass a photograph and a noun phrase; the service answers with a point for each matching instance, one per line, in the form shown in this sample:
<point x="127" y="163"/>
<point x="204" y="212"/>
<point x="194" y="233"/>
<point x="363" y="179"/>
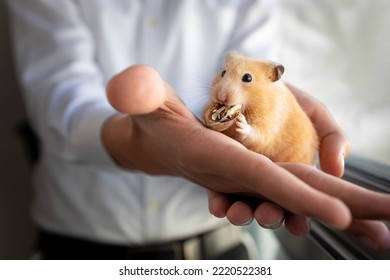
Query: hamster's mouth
<point x="224" y="113"/>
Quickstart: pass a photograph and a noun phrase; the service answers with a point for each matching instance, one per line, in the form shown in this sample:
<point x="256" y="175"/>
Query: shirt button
<point x="154" y="206"/>
<point x="152" y="23"/>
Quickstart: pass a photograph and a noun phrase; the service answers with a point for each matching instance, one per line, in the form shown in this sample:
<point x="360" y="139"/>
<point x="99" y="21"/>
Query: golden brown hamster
<point x="251" y="104"/>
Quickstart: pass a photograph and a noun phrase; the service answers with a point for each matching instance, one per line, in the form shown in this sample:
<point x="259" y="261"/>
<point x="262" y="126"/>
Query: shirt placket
<point x="152" y="40"/>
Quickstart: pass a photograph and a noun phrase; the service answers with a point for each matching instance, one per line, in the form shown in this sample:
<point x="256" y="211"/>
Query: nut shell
<point x="217" y="124"/>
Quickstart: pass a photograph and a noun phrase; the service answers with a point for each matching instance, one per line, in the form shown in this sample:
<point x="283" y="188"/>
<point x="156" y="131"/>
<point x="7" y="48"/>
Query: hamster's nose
<point x="222" y="97"/>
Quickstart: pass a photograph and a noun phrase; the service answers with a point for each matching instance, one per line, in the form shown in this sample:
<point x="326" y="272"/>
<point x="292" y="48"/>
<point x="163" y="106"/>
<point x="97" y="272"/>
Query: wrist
<point x="130" y="148"/>
<point x="116" y="133"/>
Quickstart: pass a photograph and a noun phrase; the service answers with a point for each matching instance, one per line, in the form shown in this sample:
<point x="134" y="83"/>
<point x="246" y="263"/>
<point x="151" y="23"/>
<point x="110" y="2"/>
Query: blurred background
<point x="16" y="228"/>
<point x="338" y="51"/>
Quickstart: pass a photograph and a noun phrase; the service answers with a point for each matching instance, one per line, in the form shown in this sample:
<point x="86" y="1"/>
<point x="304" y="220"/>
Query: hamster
<point x="251" y="104"/>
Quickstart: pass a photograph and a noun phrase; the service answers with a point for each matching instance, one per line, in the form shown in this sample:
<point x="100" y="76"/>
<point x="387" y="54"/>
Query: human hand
<point x="334" y="146"/>
<point x="160" y="139"/>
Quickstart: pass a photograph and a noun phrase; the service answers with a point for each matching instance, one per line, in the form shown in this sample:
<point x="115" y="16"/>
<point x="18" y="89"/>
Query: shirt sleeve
<point x="62" y="84"/>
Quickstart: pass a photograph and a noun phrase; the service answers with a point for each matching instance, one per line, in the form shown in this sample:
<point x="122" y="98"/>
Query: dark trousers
<point x="54" y="246"/>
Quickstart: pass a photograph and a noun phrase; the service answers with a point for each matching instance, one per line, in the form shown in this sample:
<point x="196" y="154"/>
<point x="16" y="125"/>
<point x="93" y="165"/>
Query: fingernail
<point x="273" y="226"/>
<point x="342" y="159"/>
<point x="341" y="166"/>
<point x="244" y="223"/>
<point x="275" y="215"/>
<point x="248" y="222"/>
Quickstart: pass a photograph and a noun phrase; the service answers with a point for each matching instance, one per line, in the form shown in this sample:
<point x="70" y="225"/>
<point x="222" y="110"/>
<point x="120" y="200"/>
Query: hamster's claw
<point x="242" y="127"/>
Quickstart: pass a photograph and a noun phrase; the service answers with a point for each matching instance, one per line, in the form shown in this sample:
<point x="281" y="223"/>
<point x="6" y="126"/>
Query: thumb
<point x="137" y="90"/>
<point x="333" y="150"/>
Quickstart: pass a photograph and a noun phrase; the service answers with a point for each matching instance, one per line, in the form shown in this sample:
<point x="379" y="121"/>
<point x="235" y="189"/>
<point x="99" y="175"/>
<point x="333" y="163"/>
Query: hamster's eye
<point x="223" y="73"/>
<point x="246" y="78"/>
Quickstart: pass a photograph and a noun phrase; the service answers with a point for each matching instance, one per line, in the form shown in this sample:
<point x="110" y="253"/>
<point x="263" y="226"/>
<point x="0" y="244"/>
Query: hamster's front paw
<point x="243" y="129"/>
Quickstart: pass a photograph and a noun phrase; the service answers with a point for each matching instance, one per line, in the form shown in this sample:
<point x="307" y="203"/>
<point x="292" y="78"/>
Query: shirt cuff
<point x="89" y="146"/>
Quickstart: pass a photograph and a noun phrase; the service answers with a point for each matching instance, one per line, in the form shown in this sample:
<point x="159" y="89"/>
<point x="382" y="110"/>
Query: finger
<point x="218" y="204"/>
<point x="283" y="188"/>
<point x="363" y="203"/>
<point x="242" y="171"/>
<point x="268" y="215"/>
<point x="374" y="234"/>
<point x="240" y="213"/>
<point x="297" y="225"/>
<point x="333" y="150"/>
<point x="137" y="90"/>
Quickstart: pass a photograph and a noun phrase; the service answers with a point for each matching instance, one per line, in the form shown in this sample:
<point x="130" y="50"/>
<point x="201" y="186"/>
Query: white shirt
<point x="66" y="52"/>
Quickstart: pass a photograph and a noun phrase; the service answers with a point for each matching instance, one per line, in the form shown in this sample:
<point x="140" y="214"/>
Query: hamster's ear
<point x="276" y="71"/>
